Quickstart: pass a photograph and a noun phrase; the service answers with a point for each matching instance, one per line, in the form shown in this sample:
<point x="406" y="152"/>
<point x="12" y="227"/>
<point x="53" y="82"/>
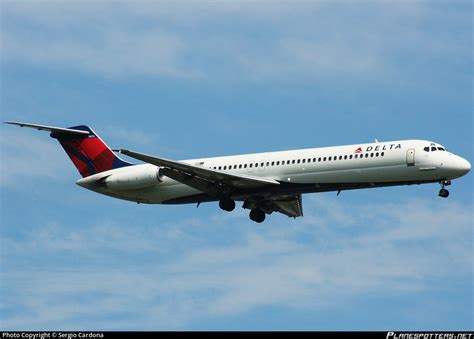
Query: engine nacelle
<point x="134" y="179"/>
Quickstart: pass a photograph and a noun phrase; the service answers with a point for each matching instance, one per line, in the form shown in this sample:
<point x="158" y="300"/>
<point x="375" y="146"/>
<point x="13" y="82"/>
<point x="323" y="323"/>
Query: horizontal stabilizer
<point x="49" y="128"/>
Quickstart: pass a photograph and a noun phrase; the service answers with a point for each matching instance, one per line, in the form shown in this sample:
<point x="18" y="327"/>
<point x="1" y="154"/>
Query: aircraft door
<point x="411" y="157"/>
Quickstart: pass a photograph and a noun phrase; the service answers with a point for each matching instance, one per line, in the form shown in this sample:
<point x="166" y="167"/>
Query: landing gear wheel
<point x="443" y="193"/>
<point x="257" y="215"/>
<point x="227" y="204"/>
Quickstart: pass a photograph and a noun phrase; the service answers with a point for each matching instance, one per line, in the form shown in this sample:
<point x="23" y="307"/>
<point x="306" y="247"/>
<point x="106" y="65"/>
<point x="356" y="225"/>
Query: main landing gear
<point x="257" y="215"/>
<point x="444" y="193"/>
<point x="227" y="204"/>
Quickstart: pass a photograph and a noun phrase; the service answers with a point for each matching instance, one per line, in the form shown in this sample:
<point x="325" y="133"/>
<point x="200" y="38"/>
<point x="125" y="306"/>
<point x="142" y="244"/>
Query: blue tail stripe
<point x="86" y="160"/>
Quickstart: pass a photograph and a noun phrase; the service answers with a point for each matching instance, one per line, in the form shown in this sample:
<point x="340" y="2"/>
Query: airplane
<point x="265" y="182"/>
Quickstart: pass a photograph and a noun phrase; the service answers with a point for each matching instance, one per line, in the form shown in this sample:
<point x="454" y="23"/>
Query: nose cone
<point x="463" y="166"/>
<point x="455" y="167"/>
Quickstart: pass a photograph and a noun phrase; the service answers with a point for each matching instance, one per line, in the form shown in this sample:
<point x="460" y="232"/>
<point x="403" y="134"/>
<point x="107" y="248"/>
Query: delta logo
<point x="385" y="147"/>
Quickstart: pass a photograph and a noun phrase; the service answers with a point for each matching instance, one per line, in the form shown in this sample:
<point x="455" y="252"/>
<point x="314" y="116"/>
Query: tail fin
<point x="88" y="152"/>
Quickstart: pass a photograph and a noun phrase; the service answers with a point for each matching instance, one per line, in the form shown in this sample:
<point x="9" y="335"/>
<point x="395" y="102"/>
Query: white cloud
<point x="25" y="156"/>
<point x="205" y="40"/>
<point x="114" y="53"/>
<point x="163" y="277"/>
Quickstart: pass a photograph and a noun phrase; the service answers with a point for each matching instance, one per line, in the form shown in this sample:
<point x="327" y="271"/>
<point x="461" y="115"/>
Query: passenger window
<point x="382" y="154"/>
<point x="314" y="159"/>
<point x="371" y="155"/>
<point x="304" y="160"/>
<point x="245" y="165"/>
<point x="345" y="157"/>
<point x="240" y="166"/>
<point x="250" y="165"/>
<point x="220" y="168"/>
<point x="298" y="161"/>
<point x="256" y="164"/>
<point x="366" y="155"/>
<point x="319" y="159"/>
<point x="324" y="159"/>
<point x="355" y="156"/>
<point x="293" y="161"/>
<point x="261" y="165"/>
<point x="329" y="158"/>
<point x="350" y="156"/>
<point x="340" y="157"/>
<point x="377" y="154"/>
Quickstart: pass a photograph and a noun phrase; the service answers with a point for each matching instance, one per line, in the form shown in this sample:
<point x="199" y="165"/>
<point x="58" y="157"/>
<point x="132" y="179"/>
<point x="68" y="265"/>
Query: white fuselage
<point x="298" y="171"/>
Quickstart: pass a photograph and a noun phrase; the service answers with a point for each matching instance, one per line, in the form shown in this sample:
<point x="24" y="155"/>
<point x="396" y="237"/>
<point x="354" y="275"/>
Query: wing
<point x="204" y="179"/>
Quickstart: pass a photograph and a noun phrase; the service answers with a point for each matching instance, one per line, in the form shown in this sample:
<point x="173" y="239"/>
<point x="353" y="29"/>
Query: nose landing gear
<point x="444" y="193"/>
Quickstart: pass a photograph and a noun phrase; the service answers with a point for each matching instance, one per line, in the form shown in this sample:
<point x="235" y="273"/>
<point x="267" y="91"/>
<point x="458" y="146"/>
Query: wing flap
<point x="291" y="206"/>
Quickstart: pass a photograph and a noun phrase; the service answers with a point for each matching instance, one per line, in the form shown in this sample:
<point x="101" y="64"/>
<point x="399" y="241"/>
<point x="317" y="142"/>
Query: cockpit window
<point x="432" y="148"/>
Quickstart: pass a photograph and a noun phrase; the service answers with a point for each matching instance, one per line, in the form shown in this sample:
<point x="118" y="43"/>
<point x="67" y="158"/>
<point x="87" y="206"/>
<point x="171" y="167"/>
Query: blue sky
<point x="184" y="79"/>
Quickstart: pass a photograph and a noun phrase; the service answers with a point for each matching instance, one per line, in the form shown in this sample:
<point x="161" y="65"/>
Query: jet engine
<point x="134" y="179"/>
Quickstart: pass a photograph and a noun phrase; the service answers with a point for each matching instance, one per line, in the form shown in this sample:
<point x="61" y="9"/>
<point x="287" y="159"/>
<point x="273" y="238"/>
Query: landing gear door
<point x="411" y="157"/>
